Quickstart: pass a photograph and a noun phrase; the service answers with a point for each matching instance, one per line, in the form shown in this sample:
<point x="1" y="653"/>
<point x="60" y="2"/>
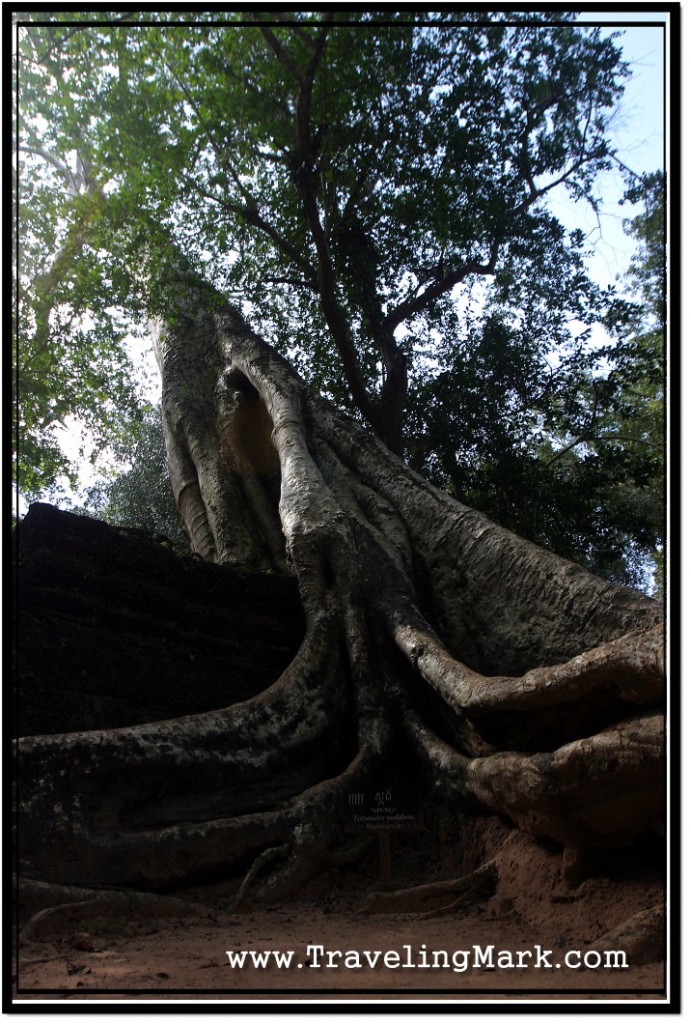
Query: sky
<point x="638" y="130"/>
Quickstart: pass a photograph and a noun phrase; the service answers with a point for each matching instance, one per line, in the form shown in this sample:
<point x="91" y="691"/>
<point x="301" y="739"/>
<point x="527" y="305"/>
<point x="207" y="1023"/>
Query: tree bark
<point x="438" y="648"/>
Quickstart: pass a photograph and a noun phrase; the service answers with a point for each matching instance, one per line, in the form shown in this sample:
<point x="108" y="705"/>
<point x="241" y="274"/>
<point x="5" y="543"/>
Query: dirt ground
<point x="527" y="942"/>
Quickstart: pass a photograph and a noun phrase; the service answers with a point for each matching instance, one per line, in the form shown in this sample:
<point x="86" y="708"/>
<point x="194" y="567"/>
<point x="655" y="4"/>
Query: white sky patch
<point x="77" y="441"/>
<point x="638" y="134"/>
<point x="140" y="351"/>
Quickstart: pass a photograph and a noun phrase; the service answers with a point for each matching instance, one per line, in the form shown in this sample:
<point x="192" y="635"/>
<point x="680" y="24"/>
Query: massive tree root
<point x="438" y="648"/>
<point x="436" y="898"/>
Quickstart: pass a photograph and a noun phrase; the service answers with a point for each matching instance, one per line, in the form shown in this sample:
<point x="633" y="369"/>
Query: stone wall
<point x="113" y="627"/>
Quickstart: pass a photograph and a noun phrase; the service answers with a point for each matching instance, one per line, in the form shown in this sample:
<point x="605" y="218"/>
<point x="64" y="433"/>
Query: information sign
<point x="396" y="808"/>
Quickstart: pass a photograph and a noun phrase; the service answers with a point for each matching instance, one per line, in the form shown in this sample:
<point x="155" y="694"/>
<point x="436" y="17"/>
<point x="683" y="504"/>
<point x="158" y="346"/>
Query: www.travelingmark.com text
<point x="408" y="958"/>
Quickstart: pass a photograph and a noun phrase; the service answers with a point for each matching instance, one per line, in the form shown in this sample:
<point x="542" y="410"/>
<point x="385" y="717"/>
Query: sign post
<point x="385" y="809"/>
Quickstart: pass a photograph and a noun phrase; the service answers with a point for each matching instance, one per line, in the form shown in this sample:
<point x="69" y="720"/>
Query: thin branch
<point x="299" y="31"/>
<point x="282" y="54"/>
<point x="567" y="448"/>
<point x="534" y="196"/>
<point x="583" y="158"/>
<point x="75" y="241"/>
<point x="252" y="216"/>
<point x="296" y="282"/>
<point x="72" y="31"/>
<point x="283" y="159"/>
<point x="305" y="180"/>
<point x="59" y="165"/>
<point x="587" y="435"/>
<point x="294" y="27"/>
<point x="250" y="212"/>
<point x="597" y="438"/>
<point x="631" y="440"/>
<point x="439" y="287"/>
<point x="627" y="169"/>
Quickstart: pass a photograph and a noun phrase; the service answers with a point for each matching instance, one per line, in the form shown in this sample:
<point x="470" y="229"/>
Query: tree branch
<point x="72" y="31"/>
<point x="298" y="30"/>
<point x="631" y="440"/>
<point x="538" y="193"/>
<point x="304" y="178"/>
<point x="595" y="438"/>
<point x="282" y="54"/>
<point x="44" y="284"/>
<point x="567" y="448"/>
<point x="59" y="165"/>
<point x="251" y="215"/>
<point x="296" y="282"/>
<point x="250" y="212"/>
<point x="451" y="278"/>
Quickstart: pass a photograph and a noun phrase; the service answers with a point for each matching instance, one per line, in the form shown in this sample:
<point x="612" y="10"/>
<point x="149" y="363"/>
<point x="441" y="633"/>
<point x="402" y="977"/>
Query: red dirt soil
<point x="135" y="956"/>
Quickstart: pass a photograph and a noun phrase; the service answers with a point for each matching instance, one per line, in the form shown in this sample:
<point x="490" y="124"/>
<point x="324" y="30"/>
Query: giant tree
<point x="515" y="681"/>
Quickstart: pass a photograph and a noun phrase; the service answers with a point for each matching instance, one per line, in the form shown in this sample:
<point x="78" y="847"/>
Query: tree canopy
<point x="374" y="189"/>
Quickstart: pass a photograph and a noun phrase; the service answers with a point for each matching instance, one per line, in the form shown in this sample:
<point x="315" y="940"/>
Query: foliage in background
<point x="346" y="180"/>
<point x="69" y="358"/>
<point x="585" y="432"/>
<point x="141" y="496"/>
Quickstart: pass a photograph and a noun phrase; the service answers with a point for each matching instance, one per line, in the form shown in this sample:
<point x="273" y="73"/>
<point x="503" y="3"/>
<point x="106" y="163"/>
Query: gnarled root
<point x="641" y="937"/>
<point x="73" y="909"/>
<point x="437" y="898"/>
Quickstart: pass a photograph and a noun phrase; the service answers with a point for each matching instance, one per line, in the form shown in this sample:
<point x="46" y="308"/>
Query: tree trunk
<point x="438" y="648"/>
